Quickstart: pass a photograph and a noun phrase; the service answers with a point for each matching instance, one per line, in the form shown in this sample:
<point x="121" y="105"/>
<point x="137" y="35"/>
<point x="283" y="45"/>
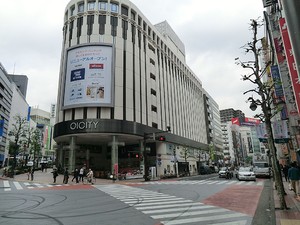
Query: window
<point x="124" y="29"/>
<point x="72" y="11"/>
<point x="153" y="108"/>
<point x="152" y="76"/>
<point x="90" y="22"/>
<point x="124" y="11"/>
<point x="154" y="125"/>
<point x="102" y="22"/>
<point x="114" y="24"/>
<point x="71" y="29"/>
<point x="80" y="7"/>
<point x="114" y="8"/>
<point x="79" y="26"/>
<point x="91" y="5"/>
<point x="103" y="6"/>
<point x="152" y="61"/>
<point x="133" y="15"/>
<point x="153" y="92"/>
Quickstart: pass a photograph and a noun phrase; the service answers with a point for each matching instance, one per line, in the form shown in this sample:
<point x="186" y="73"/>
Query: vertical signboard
<point x="290" y="61"/>
<point x="89" y="76"/>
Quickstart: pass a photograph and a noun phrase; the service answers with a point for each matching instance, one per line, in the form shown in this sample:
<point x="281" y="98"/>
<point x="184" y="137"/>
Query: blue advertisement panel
<point x="277" y="81"/>
<point x="1" y="127"/>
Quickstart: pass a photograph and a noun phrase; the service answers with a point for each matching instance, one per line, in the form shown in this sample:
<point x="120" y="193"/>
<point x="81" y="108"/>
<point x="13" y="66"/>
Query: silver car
<point x="246" y="173"/>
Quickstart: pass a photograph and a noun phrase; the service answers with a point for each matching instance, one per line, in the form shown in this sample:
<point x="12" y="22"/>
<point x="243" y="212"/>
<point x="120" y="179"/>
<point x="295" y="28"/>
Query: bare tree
<point x="263" y="89"/>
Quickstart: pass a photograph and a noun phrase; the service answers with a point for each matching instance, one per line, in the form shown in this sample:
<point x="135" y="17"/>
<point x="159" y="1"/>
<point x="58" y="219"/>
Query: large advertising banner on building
<point x="89" y="76"/>
<point x="290" y="60"/>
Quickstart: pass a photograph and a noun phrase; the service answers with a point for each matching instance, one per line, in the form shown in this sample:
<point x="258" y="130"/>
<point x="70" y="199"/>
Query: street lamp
<point x="149" y="136"/>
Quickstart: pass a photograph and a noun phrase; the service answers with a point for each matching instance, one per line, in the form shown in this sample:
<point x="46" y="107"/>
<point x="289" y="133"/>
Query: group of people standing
<point x="78" y="175"/>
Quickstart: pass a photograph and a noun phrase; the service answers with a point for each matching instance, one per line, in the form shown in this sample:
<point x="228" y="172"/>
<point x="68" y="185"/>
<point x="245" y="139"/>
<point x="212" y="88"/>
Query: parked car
<point x="246" y="173"/>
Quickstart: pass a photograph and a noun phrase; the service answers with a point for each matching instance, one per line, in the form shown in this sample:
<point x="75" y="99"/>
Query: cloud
<point x="212" y="31"/>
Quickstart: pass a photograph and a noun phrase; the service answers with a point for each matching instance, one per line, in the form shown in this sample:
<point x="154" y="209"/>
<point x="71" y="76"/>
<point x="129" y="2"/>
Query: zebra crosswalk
<point x="7" y="185"/>
<point x="200" y="182"/>
<point x="172" y="210"/>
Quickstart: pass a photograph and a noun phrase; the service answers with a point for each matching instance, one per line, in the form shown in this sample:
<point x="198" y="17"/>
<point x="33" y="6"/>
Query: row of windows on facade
<point x="102" y="5"/>
<point x="114" y="25"/>
<point x="124" y="11"/>
<point x="102" y="21"/>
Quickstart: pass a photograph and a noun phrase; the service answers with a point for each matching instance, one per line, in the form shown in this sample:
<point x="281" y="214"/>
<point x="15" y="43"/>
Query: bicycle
<point x="87" y="180"/>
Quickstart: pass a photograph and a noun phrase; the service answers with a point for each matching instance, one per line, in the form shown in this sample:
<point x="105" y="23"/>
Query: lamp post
<point x="149" y="136"/>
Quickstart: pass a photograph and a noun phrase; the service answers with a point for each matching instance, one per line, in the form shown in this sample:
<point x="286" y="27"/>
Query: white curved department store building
<point x="121" y="80"/>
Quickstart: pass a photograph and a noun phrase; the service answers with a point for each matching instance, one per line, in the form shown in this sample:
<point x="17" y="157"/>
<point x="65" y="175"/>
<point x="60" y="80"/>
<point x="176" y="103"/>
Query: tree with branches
<point x="264" y="92"/>
<point x="16" y="133"/>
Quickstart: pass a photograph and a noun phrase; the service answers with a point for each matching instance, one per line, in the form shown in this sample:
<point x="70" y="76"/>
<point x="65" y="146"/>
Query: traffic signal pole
<point x="150" y="136"/>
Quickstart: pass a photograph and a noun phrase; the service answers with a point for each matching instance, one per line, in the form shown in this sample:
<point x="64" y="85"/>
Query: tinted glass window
<point x="114" y="8"/>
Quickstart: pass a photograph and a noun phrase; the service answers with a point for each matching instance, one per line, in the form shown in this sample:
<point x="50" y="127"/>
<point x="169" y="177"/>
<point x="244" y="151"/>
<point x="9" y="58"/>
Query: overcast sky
<point x="213" y="33"/>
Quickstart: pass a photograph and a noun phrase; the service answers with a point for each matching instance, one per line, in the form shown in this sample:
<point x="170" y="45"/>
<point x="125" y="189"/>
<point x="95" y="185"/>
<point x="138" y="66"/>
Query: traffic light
<point x="161" y="138"/>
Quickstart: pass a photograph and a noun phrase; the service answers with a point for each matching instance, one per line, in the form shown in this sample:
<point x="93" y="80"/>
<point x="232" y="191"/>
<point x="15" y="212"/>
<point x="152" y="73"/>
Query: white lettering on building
<point x="84" y="125"/>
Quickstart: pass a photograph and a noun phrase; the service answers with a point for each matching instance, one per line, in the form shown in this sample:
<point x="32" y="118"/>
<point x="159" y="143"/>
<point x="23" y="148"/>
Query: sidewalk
<point x="47" y="178"/>
<point x="290" y="216"/>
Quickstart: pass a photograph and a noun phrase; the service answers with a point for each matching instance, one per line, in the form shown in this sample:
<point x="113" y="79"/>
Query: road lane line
<point x="168" y="206"/>
<point x="188" y="213"/>
<point x="202" y="219"/>
<point x="17" y="185"/>
<point x="181" y="209"/>
<point x="239" y="222"/>
<point x="154" y="200"/>
<point x="6" y="185"/>
<point x="161" y="203"/>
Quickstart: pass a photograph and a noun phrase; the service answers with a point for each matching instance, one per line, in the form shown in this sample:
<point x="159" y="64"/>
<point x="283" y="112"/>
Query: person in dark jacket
<point x="66" y="176"/>
<point x="285" y="171"/>
<point x="294" y="177"/>
<point x="55" y="174"/>
<point x="76" y="175"/>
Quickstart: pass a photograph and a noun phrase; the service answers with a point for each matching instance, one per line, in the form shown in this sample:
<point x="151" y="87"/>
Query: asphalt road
<point x="207" y="200"/>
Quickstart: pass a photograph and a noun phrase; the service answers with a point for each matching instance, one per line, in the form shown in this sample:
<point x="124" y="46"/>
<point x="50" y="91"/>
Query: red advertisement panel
<point x="290" y="60"/>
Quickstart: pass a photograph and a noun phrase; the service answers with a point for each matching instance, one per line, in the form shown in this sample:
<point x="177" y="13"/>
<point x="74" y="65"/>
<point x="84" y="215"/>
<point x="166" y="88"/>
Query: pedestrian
<point x="55" y="174"/>
<point x="90" y="176"/>
<point x="4" y="174"/>
<point x="285" y="171"/>
<point x="81" y="174"/>
<point x="66" y="176"/>
<point x="32" y="173"/>
<point x="28" y="173"/>
<point x="76" y="175"/>
<point x="294" y="177"/>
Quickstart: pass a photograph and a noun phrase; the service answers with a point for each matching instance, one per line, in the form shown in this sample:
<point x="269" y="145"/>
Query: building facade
<point x="123" y="82"/>
<point x="282" y="45"/>
<point x="12" y="104"/>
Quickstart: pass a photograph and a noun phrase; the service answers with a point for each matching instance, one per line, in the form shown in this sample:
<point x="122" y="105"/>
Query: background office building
<point x="12" y="103"/>
<point x="122" y="80"/>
